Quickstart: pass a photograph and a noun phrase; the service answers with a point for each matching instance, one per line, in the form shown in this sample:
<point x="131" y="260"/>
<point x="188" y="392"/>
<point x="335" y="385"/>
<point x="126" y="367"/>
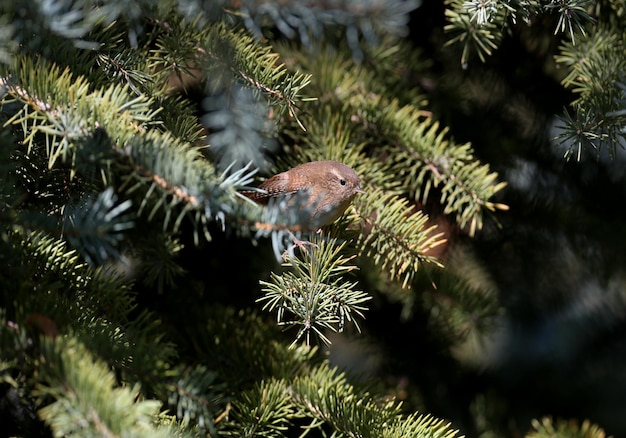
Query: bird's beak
<point x="359" y="190"/>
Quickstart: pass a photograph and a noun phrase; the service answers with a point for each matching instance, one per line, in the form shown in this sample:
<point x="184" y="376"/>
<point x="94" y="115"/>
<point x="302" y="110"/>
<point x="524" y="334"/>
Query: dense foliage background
<point x="476" y="289"/>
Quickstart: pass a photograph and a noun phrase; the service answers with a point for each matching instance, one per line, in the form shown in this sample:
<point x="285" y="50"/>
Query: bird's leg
<point x="298" y="243"/>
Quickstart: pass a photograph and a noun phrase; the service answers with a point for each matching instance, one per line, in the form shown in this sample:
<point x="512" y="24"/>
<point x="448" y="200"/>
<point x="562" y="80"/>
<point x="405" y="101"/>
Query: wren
<point x="324" y="188"/>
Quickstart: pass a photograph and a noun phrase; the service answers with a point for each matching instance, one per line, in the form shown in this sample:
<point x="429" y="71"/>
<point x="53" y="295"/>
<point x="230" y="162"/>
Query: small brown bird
<point x="326" y="188"/>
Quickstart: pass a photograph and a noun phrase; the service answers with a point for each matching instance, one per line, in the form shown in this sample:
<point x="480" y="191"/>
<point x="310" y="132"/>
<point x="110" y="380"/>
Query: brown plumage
<point x="327" y="188"/>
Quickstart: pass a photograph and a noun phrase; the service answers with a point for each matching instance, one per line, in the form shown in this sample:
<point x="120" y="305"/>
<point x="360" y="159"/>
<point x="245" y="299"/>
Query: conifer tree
<point x="142" y="295"/>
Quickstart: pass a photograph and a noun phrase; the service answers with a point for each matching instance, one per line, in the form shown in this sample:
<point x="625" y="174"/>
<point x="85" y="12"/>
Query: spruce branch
<point x="249" y="91"/>
<point x="71" y="19"/>
<point x="481" y="38"/>
<point x="596" y="119"/>
<point x="94" y="226"/>
<point x="397" y="240"/>
<point x="573" y="17"/>
<point x="159" y="266"/>
<point x="240" y="129"/>
<point x="170" y="175"/>
<point x="177" y="50"/>
<point x="59" y="110"/>
<point x="313" y="295"/>
<point x="333" y="406"/>
<point x="480" y="25"/>
<point x="326" y="395"/>
<point x="548" y="427"/>
<point x="266" y="410"/>
<point x="309" y="20"/>
<point x="464" y="308"/>
<point x="87" y="400"/>
<point x="125" y="65"/>
<point x="426" y="159"/>
<point x="254" y="349"/>
<point x="593" y="66"/>
<point x="420" y="425"/>
<point x="482" y="12"/>
<point x="580" y="133"/>
<point x="175" y="177"/>
<point x="408" y="144"/>
<point x="180" y="119"/>
<point x="196" y="395"/>
<point x="258" y="67"/>
<point x="95" y="303"/>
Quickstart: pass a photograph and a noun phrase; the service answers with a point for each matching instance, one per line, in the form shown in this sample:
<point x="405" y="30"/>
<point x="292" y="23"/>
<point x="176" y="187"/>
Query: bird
<point x="324" y="189"/>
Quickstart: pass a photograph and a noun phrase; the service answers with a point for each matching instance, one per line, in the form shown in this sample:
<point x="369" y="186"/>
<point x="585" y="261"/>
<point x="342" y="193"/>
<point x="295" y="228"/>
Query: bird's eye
<point x="342" y="182"/>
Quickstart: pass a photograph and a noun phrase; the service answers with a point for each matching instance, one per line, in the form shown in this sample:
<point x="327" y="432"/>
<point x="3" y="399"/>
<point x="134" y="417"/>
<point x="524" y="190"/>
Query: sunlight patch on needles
<point x="395" y="238"/>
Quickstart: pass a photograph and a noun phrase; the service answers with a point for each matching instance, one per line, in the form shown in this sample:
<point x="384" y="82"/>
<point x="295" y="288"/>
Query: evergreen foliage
<point x="592" y="55"/>
<point x="128" y="129"/>
<point x="547" y="428"/>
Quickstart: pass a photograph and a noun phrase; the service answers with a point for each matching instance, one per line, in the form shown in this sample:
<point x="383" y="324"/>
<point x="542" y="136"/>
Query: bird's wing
<point x="278" y="185"/>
